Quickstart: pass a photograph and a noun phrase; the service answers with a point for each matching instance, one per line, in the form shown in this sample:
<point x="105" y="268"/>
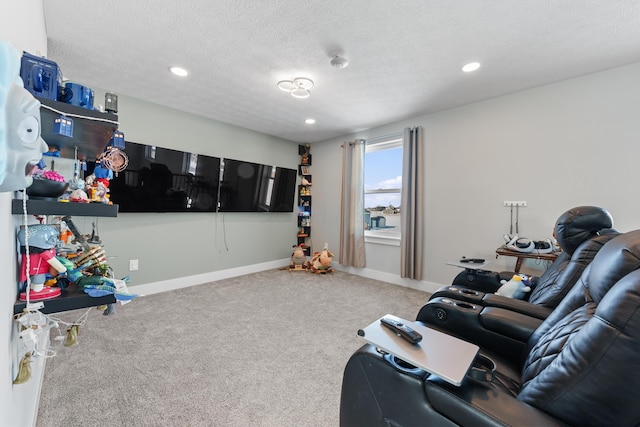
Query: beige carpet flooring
<point x="265" y="349"/>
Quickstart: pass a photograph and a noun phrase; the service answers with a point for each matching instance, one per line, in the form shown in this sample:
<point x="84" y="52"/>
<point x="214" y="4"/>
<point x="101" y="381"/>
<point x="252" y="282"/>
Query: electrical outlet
<point x="512" y="204"/>
<point x="133" y="265"/>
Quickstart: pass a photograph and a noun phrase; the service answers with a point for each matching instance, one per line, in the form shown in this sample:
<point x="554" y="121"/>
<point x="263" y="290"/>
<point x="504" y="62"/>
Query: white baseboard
<point x="198" y="279"/>
<point x="184" y="282"/>
<point x="421" y="285"/>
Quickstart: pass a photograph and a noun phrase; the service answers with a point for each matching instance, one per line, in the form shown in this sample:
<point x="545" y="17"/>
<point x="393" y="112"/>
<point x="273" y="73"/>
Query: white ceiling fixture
<point x="471" y="66"/>
<point x="339" y="62"/>
<point x="310" y="121"/>
<point x="298" y="87"/>
<point x="179" y="71"/>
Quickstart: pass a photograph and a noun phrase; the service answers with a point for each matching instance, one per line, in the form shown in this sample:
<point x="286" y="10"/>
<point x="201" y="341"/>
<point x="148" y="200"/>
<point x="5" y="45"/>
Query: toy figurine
<point x="516" y="288"/>
<point x="321" y="261"/>
<point x="298" y="259"/>
<point x="21" y="146"/>
<point x="71" y="338"/>
<point x="98" y="184"/>
<point x="43" y="240"/>
<point x="24" y="370"/>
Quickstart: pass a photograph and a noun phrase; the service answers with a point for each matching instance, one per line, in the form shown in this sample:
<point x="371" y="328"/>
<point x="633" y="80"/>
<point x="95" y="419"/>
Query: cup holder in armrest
<point x="472" y="296"/>
<point x="403" y="366"/>
<point x="457" y="303"/>
<point x="463" y="304"/>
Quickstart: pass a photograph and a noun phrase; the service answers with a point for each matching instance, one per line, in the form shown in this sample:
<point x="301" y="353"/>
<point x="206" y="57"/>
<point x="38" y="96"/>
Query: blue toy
<point x="101" y="172"/>
<point x="516" y="288"/>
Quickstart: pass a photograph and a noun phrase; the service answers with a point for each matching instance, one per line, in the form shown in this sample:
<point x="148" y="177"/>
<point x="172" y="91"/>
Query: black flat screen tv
<point x="253" y="187"/>
<point x="165" y="180"/>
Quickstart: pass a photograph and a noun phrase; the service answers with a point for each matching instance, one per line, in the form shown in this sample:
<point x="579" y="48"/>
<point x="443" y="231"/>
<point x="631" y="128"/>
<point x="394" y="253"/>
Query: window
<point x="382" y="189"/>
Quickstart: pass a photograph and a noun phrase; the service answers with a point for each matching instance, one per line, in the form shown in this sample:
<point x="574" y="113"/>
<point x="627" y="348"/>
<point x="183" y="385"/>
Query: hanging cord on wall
<point x="224" y="234"/>
<point x="511" y="224"/>
<point x="26" y="243"/>
<point x="224" y="230"/>
<point x="517" y="218"/>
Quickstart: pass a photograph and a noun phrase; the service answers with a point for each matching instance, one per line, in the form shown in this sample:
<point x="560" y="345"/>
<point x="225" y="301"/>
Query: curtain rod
<point x="396" y="135"/>
<point x="390" y="136"/>
<point x="351" y="143"/>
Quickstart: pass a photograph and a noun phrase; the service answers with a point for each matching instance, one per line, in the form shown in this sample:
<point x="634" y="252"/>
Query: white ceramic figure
<point x="21" y="145"/>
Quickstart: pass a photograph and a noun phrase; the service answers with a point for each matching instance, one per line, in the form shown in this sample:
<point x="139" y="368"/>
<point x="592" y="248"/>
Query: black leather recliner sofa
<point x="580" y="232"/>
<point x="580" y="367"/>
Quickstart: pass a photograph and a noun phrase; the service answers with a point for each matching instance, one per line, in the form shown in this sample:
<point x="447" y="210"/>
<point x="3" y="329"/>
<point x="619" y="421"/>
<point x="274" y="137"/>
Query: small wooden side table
<point x="521" y="256"/>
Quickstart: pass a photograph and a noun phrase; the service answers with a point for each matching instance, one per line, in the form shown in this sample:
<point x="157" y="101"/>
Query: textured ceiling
<point x="405" y="55"/>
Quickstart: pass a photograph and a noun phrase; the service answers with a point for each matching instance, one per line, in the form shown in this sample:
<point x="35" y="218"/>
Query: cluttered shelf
<point x="92" y="129"/>
<point x="45" y="207"/>
<point x="69" y="299"/>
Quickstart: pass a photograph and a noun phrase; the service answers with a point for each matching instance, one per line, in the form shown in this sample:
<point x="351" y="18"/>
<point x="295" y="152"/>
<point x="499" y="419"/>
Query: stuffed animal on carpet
<point x="321" y="261"/>
<point x="298" y="258"/>
<point x="516" y="288"/>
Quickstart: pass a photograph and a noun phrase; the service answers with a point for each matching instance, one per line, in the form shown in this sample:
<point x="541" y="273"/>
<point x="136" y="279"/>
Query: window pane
<point x="383" y="186"/>
<point x="381" y="201"/>
<point x="383" y="171"/>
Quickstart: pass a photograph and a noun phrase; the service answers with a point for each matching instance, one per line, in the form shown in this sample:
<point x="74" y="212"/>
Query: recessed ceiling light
<point x="179" y="71"/>
<point x="471" y="66"/>
<point x="310" y="121"/>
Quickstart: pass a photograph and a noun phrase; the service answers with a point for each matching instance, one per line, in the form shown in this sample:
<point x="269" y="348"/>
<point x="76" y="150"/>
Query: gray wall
<point x="566" y="144"/>
<point x="174" y="245"/>
<point x="22" y="25"/>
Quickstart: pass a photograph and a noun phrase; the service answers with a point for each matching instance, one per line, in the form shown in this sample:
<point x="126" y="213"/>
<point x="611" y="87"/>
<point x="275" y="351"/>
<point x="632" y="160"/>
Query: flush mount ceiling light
<point x="298" y="87"/>
<point x="471" y="66"/>
<point x="179" y="71"/>
<point x="339" y="62"/>
<point x="310" y="121"/>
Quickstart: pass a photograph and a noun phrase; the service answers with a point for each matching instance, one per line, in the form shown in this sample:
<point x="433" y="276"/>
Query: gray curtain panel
<point x="352" y="251"/>
<point x="412" y="205"/>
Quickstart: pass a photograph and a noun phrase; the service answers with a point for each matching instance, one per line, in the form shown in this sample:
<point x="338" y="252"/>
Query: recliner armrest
<point x="516" y="305"/>
<point x="482" y="280"/>
<point x="474" y="404"/>
<point x="460" y="293"/>
<point x="509" y="323"/>
<point x="462" y="319"/>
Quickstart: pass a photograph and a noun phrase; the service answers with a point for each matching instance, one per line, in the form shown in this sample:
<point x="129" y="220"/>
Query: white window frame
<point x="378" y="236"/>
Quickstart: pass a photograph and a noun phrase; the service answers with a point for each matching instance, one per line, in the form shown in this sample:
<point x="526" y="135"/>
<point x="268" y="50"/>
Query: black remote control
<point x="402" y="330"/>
<point x="472" y="260"/>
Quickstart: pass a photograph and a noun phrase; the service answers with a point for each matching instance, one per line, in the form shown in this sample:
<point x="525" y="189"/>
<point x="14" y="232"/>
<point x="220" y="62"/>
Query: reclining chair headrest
<point x="615" y="260"/>
<point x="580" y="223"/>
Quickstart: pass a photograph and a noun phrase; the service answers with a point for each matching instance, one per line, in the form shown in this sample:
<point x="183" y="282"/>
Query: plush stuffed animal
<point x="321" y="261"/>
<point x="515" y="288"/>
<point x="298" y="259"/>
